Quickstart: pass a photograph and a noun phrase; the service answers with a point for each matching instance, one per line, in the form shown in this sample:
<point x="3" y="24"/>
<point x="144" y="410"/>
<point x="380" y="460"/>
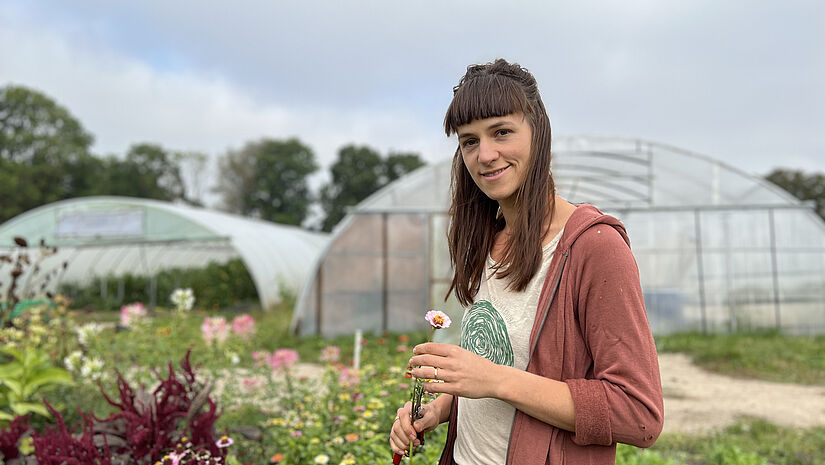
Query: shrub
<point x="217" y="286"/>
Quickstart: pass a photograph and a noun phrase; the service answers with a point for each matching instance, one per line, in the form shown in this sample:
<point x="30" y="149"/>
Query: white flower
<point x="92" y="368"/>
<point x="88" y="332"/>
<point x="322" y="459"/>
<point x="184" y="299"/>
<point x="72" y="361"/>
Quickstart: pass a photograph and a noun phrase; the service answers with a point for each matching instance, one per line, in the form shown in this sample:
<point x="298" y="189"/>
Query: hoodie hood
<point x="584" y="218"/>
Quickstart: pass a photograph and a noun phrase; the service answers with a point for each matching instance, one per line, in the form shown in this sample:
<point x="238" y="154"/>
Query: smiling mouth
<point x="492" y="174"/>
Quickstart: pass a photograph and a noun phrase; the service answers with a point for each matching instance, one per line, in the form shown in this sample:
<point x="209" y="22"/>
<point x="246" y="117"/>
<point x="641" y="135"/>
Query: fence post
<point x="356" y="351"/>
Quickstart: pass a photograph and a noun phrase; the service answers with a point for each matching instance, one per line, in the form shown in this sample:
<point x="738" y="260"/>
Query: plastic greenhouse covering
<point x="111" y="236"/>
<point x="717" y="249"/>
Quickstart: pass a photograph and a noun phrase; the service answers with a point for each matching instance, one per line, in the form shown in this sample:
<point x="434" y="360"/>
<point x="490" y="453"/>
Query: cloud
<point x="737" y="81"/>
<point x="123" y="101"/>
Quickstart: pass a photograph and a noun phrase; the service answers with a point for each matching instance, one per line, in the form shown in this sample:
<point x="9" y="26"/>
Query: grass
<point x="769" y="355"/>
<point x="750" y="441"/>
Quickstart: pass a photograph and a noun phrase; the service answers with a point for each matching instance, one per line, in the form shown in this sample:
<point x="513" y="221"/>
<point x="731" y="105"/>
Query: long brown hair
<point x="491" y="90"/>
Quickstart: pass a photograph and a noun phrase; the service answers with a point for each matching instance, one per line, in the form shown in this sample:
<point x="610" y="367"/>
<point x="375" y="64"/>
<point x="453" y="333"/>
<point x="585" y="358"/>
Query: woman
<point x="556" y="363"/>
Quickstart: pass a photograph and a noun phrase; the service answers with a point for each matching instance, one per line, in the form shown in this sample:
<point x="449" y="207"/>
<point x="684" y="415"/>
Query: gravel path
<point x="698" y="401"/>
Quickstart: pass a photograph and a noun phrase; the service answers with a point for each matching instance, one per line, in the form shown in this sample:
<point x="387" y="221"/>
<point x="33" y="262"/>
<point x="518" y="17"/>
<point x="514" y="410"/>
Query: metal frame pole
<point x="700" y="268"/>
<point x="775" y="271"/>
<point x="384" y="272"/>
<point x="319" y="295"/>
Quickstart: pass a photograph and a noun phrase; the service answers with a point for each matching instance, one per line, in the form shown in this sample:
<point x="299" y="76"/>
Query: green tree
<point x="44" y="152"/>
<point x="148" y="171"/>
<point x="399" y="164"/>
<point x="268" y="179"/>
<point x="802" y="186"/>
<point x="237" y="176"/>
<point x="359" y="172"/>
<point x="34" y="129"/>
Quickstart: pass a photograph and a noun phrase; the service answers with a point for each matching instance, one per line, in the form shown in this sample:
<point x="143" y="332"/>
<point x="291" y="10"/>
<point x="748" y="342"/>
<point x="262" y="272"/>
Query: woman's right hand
<point x="404" y="431"/>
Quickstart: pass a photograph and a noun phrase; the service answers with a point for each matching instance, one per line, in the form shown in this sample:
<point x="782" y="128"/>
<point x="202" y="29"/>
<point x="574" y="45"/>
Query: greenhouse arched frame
<point x="105" y="236"/>
<point x="718" y="250"/>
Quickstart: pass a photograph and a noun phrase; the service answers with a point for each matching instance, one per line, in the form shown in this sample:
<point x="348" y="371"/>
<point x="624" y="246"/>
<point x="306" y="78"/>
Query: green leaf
<point x="13" y="352"/>
<point x="11" y="370"/>
<point x="16" y="387"/>
<point x="5" y="416"/>
<point x="22" y="408"/>
<point x="47" y="376"/>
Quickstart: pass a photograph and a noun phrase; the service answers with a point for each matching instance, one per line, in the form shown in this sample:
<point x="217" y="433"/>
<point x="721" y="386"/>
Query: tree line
<point x="45" y="156"/>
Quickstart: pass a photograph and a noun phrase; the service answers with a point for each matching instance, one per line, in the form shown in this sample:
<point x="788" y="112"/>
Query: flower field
<point x="180" y="386"/>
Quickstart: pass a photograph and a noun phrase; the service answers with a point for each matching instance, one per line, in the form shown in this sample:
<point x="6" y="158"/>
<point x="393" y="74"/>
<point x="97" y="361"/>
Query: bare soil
<point x="698" y="401"/>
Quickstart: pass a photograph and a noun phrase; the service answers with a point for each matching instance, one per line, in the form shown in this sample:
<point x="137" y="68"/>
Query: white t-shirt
<point x="497" y="327"/>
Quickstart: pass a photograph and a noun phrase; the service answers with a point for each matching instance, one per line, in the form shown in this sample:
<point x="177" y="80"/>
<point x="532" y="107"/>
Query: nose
<point x="487" y="152"/>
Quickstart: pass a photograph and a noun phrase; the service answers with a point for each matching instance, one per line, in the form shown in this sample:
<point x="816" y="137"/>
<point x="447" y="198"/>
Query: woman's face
<point x="496" y="152"/>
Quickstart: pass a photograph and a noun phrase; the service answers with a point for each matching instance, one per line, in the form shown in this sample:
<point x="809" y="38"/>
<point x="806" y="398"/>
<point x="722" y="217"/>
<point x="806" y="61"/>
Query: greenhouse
<point x="718" y="250"/>
<point x="100" y="237"/>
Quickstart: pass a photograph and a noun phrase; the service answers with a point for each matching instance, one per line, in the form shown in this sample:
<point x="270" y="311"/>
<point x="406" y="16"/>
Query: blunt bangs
<point x="484" y="96"/>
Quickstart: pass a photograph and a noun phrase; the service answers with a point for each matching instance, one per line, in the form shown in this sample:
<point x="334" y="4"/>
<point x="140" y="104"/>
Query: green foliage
<point x="767" y="355"/>
<point x="276" y="408"/>
<point x="268" y="179"/>
<point x="732" y="455"/>
<point x="148" y="171"/>
<point x="23" y="377"/>
<point x="751" y="441"/>
<point x="215" y="286"/>
<point x="629" y="455"/>
<point x="34" y="129"/>
<point x="44" y="152"/>
<point x="399" y="164"/>
<point x="45" y="157"/>
<point x="802" y="186"/>
<point x="359" y="172"/>
<point x="336" y="413"/>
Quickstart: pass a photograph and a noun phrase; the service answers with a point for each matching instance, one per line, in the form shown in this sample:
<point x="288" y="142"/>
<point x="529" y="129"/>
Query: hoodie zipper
<point x="535" y="343"/>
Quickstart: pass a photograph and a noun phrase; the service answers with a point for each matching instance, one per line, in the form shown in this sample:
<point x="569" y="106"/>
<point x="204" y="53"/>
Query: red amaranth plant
<point x="57" y="446"/>
<point x="152" y="421"/>
<point x="10" y="438"/>
<point x="146" y="426"/>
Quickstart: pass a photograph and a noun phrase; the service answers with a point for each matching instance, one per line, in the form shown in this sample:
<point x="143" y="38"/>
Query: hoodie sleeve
<point x="622" y="401"/>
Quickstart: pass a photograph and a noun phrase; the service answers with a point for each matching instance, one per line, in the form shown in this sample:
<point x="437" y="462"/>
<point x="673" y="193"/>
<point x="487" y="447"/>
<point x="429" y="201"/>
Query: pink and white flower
<point x="438" y="319"/>
<point x="330" y="354"/>
<point x="132" y="314"/>
<point x="214" y="329"/>
<point x="252" y="385"/>
<point x="348" y="377"/>
<point x="243" y="326"/>
<point x="282" y="358"/>
<point x="224" y="442"/>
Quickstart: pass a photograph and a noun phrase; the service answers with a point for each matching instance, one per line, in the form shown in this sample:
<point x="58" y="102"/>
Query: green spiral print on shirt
<point x="484" y="332"/>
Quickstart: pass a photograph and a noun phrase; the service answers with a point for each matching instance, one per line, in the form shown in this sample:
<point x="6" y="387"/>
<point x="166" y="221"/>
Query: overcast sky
<point x="740" y="81"/>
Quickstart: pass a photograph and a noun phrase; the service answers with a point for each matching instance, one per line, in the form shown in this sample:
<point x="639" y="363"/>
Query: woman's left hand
<point x="463" y="373"/>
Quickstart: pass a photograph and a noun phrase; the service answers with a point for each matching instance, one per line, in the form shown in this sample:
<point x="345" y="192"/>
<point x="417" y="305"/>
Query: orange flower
<point x="403" y="338"/>
<point x="352" y="437"/>
<point x="277" y="458"/>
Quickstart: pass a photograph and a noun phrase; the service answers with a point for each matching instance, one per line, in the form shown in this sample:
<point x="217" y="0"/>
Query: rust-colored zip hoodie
<point x="591" y="331"/>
